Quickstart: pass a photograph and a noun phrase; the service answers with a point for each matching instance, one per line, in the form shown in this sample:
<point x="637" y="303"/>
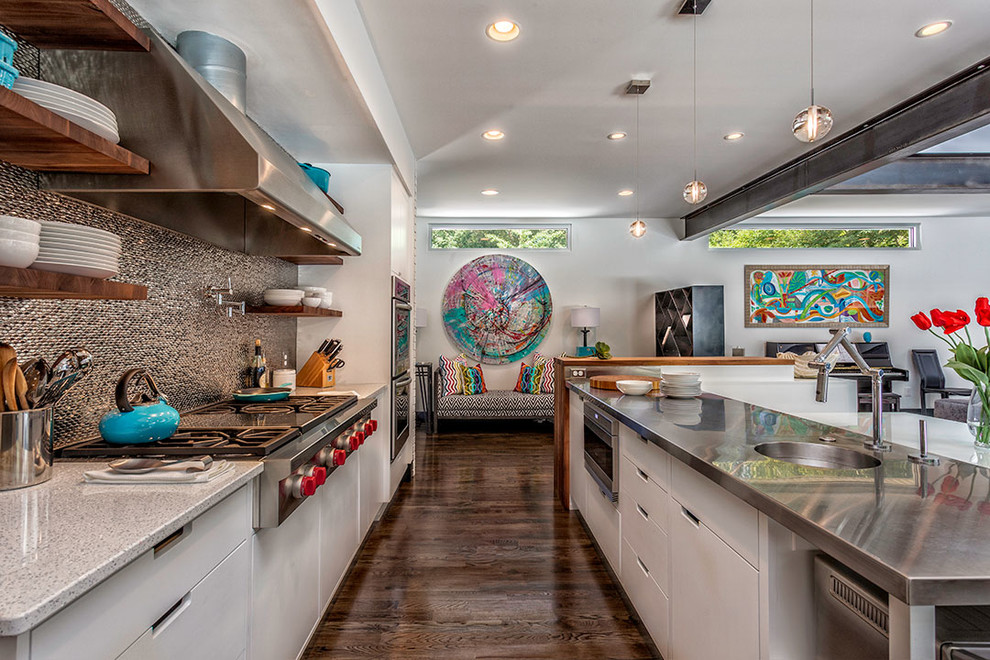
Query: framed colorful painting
<point x="497" y="308"/>
<point x="817" y="296"/>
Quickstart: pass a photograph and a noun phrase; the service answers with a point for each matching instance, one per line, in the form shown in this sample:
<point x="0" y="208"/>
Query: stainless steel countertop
<point x="924" y="546"/>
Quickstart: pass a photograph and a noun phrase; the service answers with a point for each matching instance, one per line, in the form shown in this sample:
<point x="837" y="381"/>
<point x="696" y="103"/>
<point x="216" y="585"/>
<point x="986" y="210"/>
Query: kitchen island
<point x="890" y="523"/>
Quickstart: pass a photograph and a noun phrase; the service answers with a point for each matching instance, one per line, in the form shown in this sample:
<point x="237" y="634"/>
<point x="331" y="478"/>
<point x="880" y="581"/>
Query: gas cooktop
<point x="228" y="428"/>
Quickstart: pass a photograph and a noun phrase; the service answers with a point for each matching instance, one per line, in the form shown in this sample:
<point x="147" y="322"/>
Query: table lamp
<point x="585" y="318"/>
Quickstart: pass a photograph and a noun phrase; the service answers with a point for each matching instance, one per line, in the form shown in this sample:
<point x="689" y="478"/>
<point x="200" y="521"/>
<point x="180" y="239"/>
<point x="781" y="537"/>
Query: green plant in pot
<point x="603" y="351"/>
<point x="970" y="362"/>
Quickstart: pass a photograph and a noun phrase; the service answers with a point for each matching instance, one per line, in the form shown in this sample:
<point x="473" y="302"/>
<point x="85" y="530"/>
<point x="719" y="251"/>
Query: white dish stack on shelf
<point x="69" y="104"/>
<point x="19" y="242"/>
<point x="681" y="386"/>
<point x="78" y="250"/>
<point x="325" y="297"/>
<point x="283" y="297"/>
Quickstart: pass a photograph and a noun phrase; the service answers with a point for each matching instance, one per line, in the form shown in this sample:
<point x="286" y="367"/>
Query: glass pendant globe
<point x="695" y="192"/>
<point x="637" y="229"/>
<point x="813" y="123"/>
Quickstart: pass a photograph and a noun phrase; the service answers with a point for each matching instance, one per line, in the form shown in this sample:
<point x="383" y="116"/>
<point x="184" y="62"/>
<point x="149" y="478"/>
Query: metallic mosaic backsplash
<point x="195" y="353"/>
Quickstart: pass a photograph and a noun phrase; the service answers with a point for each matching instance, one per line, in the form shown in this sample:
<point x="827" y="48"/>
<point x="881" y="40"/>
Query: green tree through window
<point x="802" y="237"/>
<point x="515" y="238"/>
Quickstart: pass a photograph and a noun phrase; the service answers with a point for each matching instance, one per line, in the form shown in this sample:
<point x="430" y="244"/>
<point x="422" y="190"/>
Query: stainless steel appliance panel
<point x="601" y="450"/>
<point x="852" y="614"/>
<point x="25" y="447"/>
<point x="401" y="402"/>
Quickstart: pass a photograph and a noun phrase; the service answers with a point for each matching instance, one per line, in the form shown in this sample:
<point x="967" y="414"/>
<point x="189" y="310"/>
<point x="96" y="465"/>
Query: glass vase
<point x="978" y="417"/>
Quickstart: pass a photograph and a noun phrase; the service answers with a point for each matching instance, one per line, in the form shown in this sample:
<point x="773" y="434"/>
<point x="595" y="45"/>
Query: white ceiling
<point x="884" y="206"/>
<point x="557" y="91"/>
<point x="298" y="89"/>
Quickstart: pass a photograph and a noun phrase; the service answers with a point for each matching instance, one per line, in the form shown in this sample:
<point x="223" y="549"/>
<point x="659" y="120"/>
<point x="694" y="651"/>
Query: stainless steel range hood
<point x="214" y="173"/>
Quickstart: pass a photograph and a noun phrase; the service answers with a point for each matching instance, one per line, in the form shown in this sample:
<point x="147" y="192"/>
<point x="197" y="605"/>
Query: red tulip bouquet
<point x="970" y="362"/>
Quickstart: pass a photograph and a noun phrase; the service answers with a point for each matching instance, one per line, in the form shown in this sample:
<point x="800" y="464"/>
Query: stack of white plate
<point x="77" y="108"/>
<point x="18" y="241"/>
<point x="283" y="297"/>
<point x="681" y="386"/>
<point x="78" y="250"/>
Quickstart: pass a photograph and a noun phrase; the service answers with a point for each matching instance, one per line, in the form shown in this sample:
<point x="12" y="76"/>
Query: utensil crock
<point x="25" y="447"/>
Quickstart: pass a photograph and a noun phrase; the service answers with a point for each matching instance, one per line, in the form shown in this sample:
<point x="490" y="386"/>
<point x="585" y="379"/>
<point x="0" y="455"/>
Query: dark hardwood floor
<point x="473" y="560"/>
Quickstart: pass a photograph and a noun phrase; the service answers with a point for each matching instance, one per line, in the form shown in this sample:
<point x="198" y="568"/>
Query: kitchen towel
<point x="159" y="476"/>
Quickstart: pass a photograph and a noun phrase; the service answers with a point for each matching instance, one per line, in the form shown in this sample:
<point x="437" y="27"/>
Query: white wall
<point x="609" y="269"/>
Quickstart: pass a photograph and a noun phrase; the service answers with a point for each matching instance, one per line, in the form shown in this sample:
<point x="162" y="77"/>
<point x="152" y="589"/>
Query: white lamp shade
<point x="421" y="317"/>
<point x="585" y="317"/>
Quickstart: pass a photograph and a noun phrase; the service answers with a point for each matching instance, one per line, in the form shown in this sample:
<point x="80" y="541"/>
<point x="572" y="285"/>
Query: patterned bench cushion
<point x="493" y="404"/>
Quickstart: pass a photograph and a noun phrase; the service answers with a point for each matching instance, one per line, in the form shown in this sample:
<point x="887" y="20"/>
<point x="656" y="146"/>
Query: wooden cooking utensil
<point x="20" y="387"/>
<point x="607" y="382"/>
<point x="9" y="379"/>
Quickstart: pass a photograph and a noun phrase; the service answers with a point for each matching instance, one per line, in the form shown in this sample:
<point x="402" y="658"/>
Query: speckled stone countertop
<point x="63" y="537"/>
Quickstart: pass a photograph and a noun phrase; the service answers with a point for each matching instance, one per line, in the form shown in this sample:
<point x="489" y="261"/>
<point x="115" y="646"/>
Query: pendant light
<point x="638" y="227"/>
<point x="814" y="122"/>
<point x="695" y="191"/>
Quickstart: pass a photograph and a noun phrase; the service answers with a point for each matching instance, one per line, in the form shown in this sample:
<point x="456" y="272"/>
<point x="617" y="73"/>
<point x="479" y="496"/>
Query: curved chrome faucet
<point x="841" y="337"/>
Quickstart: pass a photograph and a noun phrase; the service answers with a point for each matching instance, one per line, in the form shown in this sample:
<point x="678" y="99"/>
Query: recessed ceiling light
<point x="618" y="135"/>
<point x="306" y="229"/>
<point x="489" y="192"/>
<point x="503" y="30"/>
<point x="493" y="134"/>
<point x="625" y="193"/>
<point x="732" y="137"/>
<point x="332" y="244"/>
<point x="268" y="207"/>
<point x="932" y="29"/>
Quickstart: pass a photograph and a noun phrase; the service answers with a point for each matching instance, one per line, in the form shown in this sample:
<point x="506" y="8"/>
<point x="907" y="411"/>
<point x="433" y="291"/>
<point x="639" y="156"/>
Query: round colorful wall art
<point x="497" y="308"/>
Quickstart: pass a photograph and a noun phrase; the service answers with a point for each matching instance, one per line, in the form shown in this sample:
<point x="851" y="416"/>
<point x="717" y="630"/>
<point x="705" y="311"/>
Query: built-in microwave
<point x="601" y="449"/>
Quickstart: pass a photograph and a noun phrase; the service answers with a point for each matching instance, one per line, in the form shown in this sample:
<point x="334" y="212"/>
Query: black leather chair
<point x="931" y="376"/>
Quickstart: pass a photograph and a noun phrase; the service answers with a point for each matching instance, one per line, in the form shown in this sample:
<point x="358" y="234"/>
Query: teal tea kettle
<point x="142" y="419"/>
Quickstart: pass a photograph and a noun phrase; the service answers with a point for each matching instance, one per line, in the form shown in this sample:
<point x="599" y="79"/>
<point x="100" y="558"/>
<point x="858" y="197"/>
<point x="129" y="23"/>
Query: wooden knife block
<point x="315" y="373"/>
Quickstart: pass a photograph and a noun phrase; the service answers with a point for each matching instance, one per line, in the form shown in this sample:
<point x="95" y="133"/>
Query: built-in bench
<point x="494" y="404"/>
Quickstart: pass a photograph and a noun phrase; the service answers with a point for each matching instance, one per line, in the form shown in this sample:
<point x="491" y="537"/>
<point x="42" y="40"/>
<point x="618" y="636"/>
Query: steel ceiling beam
<point x="951" y="108"/>
<point x="921" y="174"/>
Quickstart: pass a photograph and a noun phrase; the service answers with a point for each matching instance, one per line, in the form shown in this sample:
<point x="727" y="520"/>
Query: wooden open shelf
<point x="314" y="260"/>
<point x="73" y="24"/>
<point x="296" y="310"/>
<point x="36" y="138"/>
<point x="27" y="283"/>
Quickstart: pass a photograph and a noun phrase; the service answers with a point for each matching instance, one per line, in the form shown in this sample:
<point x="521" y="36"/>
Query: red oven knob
<point x="374" y="425"/>
<point x="360" y="437"/>
<point x="298" y="486"/>
<point x="354" y="442"/>
<point x="368" y="429"/>
<point x="339" y="456"/>
<point x="308" y="486"/>
<point x="318" y="473"/>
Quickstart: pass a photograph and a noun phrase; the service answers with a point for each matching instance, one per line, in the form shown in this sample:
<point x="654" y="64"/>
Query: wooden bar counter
<point x="561" y="431"/>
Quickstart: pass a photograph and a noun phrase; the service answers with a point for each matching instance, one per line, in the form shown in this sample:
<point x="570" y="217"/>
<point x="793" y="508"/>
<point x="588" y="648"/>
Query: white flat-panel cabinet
<point x="714" y="601"/>
<point x="603" y="521"/>
<point x="340" y="526"/>
<point x="286" y="578"/>
<point x="208" y="623"/>
<point x="374" y="454"/>
<point x="576" y="452"/>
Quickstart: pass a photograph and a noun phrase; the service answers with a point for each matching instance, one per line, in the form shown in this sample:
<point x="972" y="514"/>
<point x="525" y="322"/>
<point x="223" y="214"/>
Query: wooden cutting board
<point x="608" y="382"/>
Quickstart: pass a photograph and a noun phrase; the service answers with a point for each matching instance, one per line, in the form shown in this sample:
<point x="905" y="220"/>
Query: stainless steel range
<point x="300" y="440"/>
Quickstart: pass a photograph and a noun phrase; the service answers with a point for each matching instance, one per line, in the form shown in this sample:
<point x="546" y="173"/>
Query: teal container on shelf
<point x="8" y="75"/>
<point x="7" y="48"/>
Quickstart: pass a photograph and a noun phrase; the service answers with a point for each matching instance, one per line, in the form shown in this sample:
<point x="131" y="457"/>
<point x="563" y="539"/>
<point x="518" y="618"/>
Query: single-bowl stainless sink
<point x="818" y="456"/>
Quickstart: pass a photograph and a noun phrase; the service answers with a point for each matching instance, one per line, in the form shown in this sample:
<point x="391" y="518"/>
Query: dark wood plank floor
<point x="473" y="560"/>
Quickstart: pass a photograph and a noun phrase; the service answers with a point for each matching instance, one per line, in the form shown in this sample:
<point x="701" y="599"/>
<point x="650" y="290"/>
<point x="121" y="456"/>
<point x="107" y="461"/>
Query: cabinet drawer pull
<point x="642" y="475"/>
<point x="643" y="438"/>
<point x="642" y="566"/>
<point x="643" y="512"/>
<point x="173" y="613"/>
<point x="173" y="538"/>
<point x="691" y="518"/>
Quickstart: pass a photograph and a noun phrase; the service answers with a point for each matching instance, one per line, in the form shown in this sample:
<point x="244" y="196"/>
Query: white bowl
<point x="14" y="235"/>
<point x="18" y="254"/>
<point x="20" y="224"/>
<point x="327" y="301"/>
<point x="283" y="297"/>
<point x="316" y="290"/>
<point x="688" y="378"/>
<point x="634" y="387"/>
<point x="311" y="301"/>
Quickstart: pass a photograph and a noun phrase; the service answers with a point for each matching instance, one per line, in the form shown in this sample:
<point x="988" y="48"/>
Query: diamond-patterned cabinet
<point x="690" y="321"/>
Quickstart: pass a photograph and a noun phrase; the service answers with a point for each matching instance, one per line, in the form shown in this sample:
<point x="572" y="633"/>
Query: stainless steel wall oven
<point x="601" y="449"/>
